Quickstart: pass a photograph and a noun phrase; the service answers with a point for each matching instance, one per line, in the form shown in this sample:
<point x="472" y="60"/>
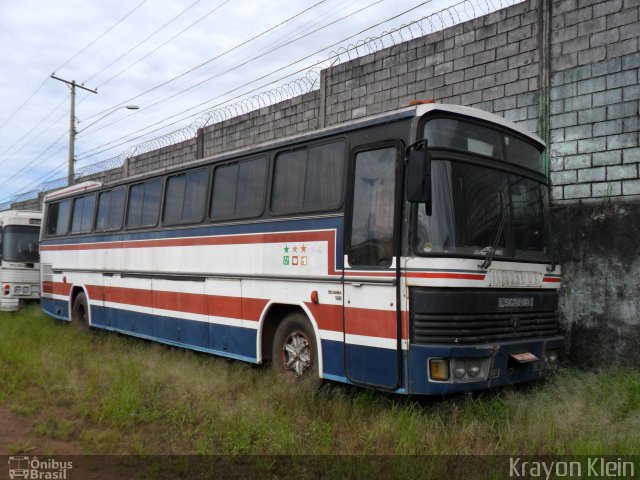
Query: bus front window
<point x="20" y="243"/>
<point x="469" y="202"/>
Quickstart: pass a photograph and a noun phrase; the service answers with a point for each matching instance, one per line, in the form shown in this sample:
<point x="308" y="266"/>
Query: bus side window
<point x="58" y="218"/>
<point x="184" y="200"/>
<point x="238" y="189"/>
<point x="311" y="178"/>
<point x="82" y="218"/>
<point x="144" y="204"/>
<point x="110" y="210"/>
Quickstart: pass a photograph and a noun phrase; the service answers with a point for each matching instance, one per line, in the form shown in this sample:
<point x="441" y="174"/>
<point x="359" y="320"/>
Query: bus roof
<point x="20" y="217"/>
<point x="77" y="188"/>
<point x="6" y="214"/>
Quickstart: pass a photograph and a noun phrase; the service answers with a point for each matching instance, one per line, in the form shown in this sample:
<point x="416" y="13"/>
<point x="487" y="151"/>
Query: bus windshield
<point x="20" y="243"/>
<point x="470" y="201"/>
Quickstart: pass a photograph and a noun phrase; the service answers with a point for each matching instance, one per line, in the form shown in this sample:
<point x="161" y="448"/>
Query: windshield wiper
<point x="489" y="258"/>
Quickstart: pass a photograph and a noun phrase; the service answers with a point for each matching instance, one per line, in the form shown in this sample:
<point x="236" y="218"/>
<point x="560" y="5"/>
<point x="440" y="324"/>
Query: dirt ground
<point x="18" y="438"/>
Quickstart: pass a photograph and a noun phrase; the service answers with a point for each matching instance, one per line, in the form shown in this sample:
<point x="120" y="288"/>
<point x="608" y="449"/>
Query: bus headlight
<point x="459" y="368"/>
<point x="473" y="368"/>
<point x="551" y="357"/>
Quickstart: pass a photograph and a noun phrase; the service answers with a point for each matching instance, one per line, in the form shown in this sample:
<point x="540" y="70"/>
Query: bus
<point x="19" y="258"/>
<point x="409" y="251"/>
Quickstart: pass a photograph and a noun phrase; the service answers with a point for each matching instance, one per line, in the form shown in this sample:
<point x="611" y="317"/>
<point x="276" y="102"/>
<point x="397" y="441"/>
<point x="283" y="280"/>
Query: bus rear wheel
<point x="294" y="351"/>
<point x="80" y="312"/>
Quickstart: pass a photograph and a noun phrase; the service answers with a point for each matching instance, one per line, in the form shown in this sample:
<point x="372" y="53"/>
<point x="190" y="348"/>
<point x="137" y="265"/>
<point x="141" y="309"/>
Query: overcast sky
<point x="175" y="59"/>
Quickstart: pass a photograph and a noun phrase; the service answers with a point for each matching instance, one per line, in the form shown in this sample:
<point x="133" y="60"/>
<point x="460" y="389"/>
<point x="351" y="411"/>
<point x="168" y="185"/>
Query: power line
<point x="262" y="77"/>
<point x="12" y="116"/>
<point x="32" y="129"/>
<point x="241" y="64"/>
<point x="33" y="162"/>
<point x="144" y="40"/>
<point x="164" y="43"/>
<point x="263" y="52"/>
<point x="101" y="35"/>
<point x="210" y="60"/>
<point x="150" y="108"/>
<point x="241" y="86"/>
<point x="40" y="179"/>
<point x="266" y="31"/>
<point x="24" y="103"/>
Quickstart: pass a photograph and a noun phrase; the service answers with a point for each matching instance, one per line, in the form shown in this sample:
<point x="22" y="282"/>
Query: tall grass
<point x="116" y="394"/>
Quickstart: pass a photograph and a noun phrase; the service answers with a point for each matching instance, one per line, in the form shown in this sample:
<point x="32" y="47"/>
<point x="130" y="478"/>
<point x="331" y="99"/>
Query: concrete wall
<point x="567" y="70"/>
<point x="164" y="157"/>
<point x="594" y="99"/>
<point x="492" y="63"/>
<point x="297" y="115"/>
<point x="600" y="254"/>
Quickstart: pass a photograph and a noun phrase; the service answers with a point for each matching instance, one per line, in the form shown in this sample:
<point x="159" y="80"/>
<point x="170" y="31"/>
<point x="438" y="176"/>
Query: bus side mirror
<point x="419" y="174"/>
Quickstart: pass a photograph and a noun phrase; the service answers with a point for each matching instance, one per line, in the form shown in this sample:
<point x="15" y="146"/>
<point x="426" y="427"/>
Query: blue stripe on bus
<point x="233" y="342"/>
<point x="225" y="340"/>
<point x="333" y="359"/>
<point x="373" y="366"/>
<point x="56" y="308"/>
<point x="285" y="226"/>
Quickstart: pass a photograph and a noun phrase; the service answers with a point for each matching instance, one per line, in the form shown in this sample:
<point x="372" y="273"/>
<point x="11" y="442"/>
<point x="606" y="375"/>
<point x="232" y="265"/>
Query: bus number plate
<point x="524" y="357"/>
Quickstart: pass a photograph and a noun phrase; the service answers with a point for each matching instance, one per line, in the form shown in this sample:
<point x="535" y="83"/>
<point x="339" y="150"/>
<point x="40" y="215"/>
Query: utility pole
<point x="72" y="123"/>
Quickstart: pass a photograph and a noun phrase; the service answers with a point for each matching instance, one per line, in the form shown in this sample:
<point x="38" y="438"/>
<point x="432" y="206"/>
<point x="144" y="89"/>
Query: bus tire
<point x="294" y="353"/>
<point x="80" y="312"/>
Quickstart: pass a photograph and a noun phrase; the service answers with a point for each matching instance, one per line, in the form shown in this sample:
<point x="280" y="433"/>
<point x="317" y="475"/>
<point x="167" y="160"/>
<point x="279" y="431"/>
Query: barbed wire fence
<point x="460" y="12"/>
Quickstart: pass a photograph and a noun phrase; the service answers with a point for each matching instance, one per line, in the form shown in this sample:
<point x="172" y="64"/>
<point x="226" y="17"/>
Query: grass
<point x="116" y="394"/>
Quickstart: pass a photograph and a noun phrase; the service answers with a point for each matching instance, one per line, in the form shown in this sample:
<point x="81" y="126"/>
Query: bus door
<point x="371" y="327"/>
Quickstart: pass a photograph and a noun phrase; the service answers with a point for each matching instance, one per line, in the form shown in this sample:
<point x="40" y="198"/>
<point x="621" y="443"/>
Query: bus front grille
<point x="429" y="329"/>
<point x="449" y="316"/>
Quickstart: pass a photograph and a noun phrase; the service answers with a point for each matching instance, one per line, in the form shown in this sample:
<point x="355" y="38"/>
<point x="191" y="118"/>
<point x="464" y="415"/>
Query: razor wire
<point x="458" y="13"/>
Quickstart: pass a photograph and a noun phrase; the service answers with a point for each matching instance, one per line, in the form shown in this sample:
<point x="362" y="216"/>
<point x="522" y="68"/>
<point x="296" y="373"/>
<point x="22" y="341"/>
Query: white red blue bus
<point x="408" y="251"/>
<point x="19" y="258"/>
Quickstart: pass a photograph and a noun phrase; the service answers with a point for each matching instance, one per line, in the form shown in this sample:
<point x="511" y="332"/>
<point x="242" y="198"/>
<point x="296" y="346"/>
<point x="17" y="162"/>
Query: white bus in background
<point x="19" y="258"/>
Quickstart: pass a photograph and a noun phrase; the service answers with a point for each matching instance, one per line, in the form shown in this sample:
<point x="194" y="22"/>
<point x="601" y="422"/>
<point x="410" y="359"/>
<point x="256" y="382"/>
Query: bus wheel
<point x="294" y="352"/>
<point x="80" y="312"/>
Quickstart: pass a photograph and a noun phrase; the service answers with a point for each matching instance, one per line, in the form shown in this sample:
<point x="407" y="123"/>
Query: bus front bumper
<point x="476" y="367"/>
<point x="9" y="304"/>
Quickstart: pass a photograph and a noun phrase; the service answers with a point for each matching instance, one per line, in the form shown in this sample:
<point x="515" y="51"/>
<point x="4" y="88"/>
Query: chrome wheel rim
<point x="296" y="354"/>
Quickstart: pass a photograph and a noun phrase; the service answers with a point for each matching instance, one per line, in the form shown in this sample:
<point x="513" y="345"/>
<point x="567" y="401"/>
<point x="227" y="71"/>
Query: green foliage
<point x="117" y="394"/>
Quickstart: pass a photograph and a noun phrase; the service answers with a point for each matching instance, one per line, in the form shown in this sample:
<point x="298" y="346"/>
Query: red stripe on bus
<point x="371" y="323"/>
<point x="404" y="324"/>
<point x="328" y="317"/>
<point x="551" y="280"/>
<point x="360" y="321"/>
<point x="215" y="305"/>
<point x="252" y="308"/>
<point x="56" y="288"/>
